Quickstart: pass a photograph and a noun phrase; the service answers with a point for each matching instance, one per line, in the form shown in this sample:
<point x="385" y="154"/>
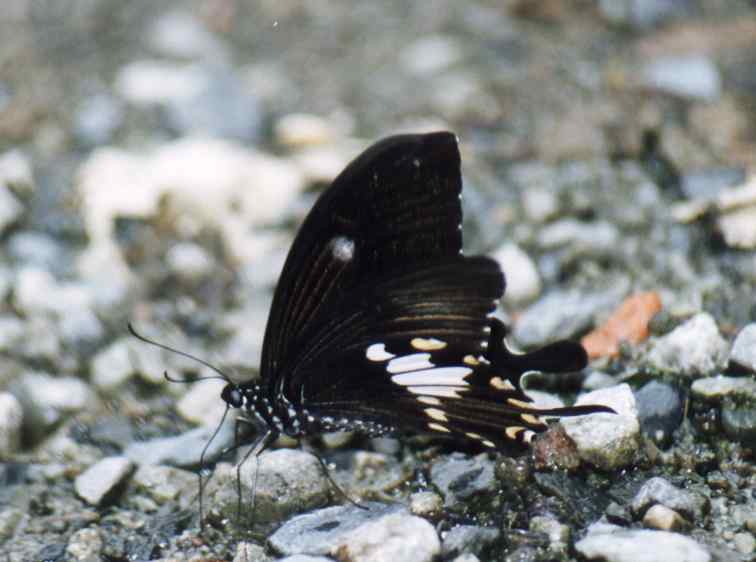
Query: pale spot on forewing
<point x="501" y="384"/>
<point x="513" y="431"/>
<point x="430" y="400"/>
<point x="436" y="414"/>
<point x="409" y="363"/>
<point x="427" y="344"/>
<point x="342" y="248"/>
<point x="472" y="435"/>
<point x="377" y="352"/>
<point x="453" y="376"/>
<point x="488" y="443"/>
<point x="442" y="391"/>
<point x="438" y="427"/>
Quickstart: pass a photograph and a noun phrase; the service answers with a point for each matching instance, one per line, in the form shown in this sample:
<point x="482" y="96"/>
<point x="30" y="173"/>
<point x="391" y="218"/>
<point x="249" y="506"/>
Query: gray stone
<point x="11" y="332"/>
<point x="660" y="410"/>
<point x="16" y="172"/>
<point x="302" y="558"/>
<point x="693" y="77"/>
<point x="285" y="482"/>
<point x="125" y="357"/>
<point x="182" y="450"/>
<point x="323" y="530"/>
<point x="97" y="119"/>
<point x="708" y="183"/>
<point x="47" y="398"/>
<point x="201" y="404"/>
<point x="251" y="552"/>
<point x="641" y="546"/>
<point x="189" y="261"/>
<point x="459" y="477"/>
<point x="10" y="208"/>
<point x="85" y="545"/>
<point x="693" y="349"/>
<point x="664" y="519"/>
<point x="100" y="480"/>
<point x="716" y="388"/>
<point x="165" y="483"/>
<point x="522" y="278"/>
<point x="739" y="423"/>
<point x="558" y="533"/>
<point x="467" y="538"/>
<point x="598" y="379"/>
<point x="657" y="490"/>
<point x="608" y="441"/>
<point x="11" y="418"/>
<point x="563" y="314"/>
<point x="743" y="351"/>
<point x="644" y="13"/>
<point x="80" y="326"/>
<point x="183" y="36"/>
<point x="425" y="503"/>
<point x="36" y="249"/>
<point x="744" y="543"/>
<point x="594" y="238"/>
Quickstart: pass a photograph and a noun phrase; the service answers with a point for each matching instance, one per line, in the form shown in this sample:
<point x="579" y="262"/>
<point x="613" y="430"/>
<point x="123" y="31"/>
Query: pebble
<point x="660" y="410"/>
<point x="298" y="130"/>
<point x="640" y="545"/>
<point x="598" y="379"/>
<point x="182" y="450"/>
<point x="709" y="182"/>
<point x="592" y="238"/>
<point x="430" y="55"/>
<point x="47" y="398"/>
<point x="744" y="543"/>
<point x="657" y="490"/>
<point x="11" y="332"/>
<point x="287" y="481"/>
<point x="627" y="323"/>
<point x="85" y="545"/>
<point x="694" y="77"/>
<point x="11" y="418"/>
<point x="189" y="261"/>
<point x="459" y="477"/>
<point x="693" y="349"/>
<point x="463" y="539"/>
<point x="664" y="519"/>
<point x="716" y="388"/>
<point x="251" y="552"/>
<point x="201" y="404"/>
<point x="563" y="314"/>
<point x="523" y="283"/>
<point x="323" y="530"/>
<point x="10" y="209"/>
<point x="300" y="558"/>
<point x="644" y="14"/>
<point x="16" y="172"/>
<point x="181" y="35"/>
<point x="101" y="479"/>
<point x="539" y="204"/>
<point x="97" y="119"/>
<point x="165" y="483"/>
<point x="739" y="423"/>
<point x="738" y="228"/>
<point x="743" y="351"/>
<point x="558" y="533"/>
<point x="425" y="503"/>
<point x="607" y="441"/>
<point x="115" y="364"/>
<point x="36" y="249"/>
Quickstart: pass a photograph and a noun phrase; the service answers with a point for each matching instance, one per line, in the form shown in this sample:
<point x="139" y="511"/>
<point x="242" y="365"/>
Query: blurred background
<point x="156" y="158"/>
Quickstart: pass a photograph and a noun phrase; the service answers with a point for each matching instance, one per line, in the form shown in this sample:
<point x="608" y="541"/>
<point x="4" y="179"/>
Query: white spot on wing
<point x="430" y="400"/>
<point x="427" y="344"/>
<point x="436" y="414"/>
<point x="488" y="443"/>
<point x="377" y="352"/>
<point x="438" y="427"/>
<point x="442" y="391"/>
<point x="452" y="376"/>
<point x="342" y="248"/>
<point x="409" y="363"/>
<point x="513" y="431"/>
<point x="501" y="384"/>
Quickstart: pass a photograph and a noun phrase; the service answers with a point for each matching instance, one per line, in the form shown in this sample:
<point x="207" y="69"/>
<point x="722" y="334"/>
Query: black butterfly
<point x="380" y="324"/>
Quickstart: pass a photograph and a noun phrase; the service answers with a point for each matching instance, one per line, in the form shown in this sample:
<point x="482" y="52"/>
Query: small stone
<point x="11" y="418"/>
<point x="53" y="397"/>
<point x="36" y="249"/>
<point x="555" y="450"/>
<point x="641" y="545"/>
<point x="430" y="55"/>
<point x="97" y="119"/>
<point x="539" y="204"/>
<point x="10" y="209"/>
<point x="744" y="543"/>
<point x="660" y="410"/>
<point x="644" y="14"/>
<point x="664" y="519"/>
<point x="743" y="351"/>
<point x="85" y="545"/>
<point x="100" y="480"/>
<point x="657" y="490"/>
<point x="558" y="533"/>
<point x="201" y="404"/>
<point x="251" y="552"/>
<point x="714" y="389"/>
<point x="181" y="35"/>
<point x="467" y="538"/>
<point x="299" y="558"/>
<point x="738" y="228"/>
<point x="739" y="423"/>
<point x="323" y="530"/>
<point x="628" y="323"/>
<point x="693" y="349"/>
<point x="522" y="278"/>
<point x="165" y="483"/>
<point x="301" y="129"/>
<point x="459" y="477"/>
<point x="584" y="238"/>
<point x="189" y="261"/>
<point x="694" y="77"/>
<point x="182" y="450"/>
<point x="125" y="357"/>
<point x="16" y="172"/>
<point x="608" y="441"/>
<point x="287" y="481"/>
<point x="337" y="439"/>
<point x="425" y="503"/>
<point x="598" y="379"/>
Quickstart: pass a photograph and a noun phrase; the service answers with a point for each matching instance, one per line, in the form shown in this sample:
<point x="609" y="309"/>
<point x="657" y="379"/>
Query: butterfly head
<point x="232" y="395"/>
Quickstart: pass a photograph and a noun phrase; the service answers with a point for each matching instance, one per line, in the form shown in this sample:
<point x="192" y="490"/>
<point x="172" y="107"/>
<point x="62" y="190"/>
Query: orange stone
<point x="628" y="322"/>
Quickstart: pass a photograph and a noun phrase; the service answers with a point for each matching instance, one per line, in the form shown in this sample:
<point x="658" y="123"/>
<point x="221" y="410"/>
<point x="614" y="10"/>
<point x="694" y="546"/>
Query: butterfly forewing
<point x="396" y="204"/>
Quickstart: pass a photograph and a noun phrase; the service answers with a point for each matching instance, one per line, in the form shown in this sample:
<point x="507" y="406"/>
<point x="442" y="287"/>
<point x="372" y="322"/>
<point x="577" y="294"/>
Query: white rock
<point x="11" y="417"/>
<point x="16" y="172"/>
<point x="641" y="546"/>
<point x="539" y="204"/>
<point x="425" y="503"/>
<point x="522" y="278"/>
<point x="152" y="82"/>
<point x="10" y="208"/>
<point x="94" y="484"/>
<point x="431" y="54"/>
<point x="202" y="404"/>
<point x="739" y="228"/>
<point x="693" y="349"/>
<point x="303" y="129"/>
<point x="608" y="441"/>
<point x="744" y="349"/>
<point x="694" y="77"/>
<point x="56" y="396"/>
<point x="125" y="357"/>
<point x="716" y="388"/>
<point x="189" y="261"/>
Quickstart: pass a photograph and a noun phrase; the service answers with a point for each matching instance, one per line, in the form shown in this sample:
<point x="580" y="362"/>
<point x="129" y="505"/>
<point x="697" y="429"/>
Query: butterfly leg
<point x="335" y="486"/>
<point x="257" y="449"/>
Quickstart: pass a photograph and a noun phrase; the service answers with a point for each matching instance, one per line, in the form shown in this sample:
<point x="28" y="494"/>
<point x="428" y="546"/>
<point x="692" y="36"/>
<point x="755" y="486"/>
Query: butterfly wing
<point x="398" y="203"/>
<point x="418" y="350"/>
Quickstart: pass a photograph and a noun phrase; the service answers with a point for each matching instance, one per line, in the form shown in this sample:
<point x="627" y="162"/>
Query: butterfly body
<point x="379" y="323"/>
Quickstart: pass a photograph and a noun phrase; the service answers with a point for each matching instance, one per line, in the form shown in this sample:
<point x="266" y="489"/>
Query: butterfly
<point x="379" y="324"/>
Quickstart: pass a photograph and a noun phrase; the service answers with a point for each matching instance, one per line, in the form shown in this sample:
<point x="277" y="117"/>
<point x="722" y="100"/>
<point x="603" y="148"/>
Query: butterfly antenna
<point x="215" y="369"/>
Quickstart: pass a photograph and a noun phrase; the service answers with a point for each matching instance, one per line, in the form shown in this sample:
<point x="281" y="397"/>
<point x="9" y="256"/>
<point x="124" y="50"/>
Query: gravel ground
<point x="155" y="160"/>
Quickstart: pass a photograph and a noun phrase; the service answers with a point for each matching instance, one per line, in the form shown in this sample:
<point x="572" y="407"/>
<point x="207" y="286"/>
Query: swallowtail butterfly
<point x="380" y="324"/>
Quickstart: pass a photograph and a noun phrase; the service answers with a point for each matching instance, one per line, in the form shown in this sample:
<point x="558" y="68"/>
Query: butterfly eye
<point x="232" y="396"/>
